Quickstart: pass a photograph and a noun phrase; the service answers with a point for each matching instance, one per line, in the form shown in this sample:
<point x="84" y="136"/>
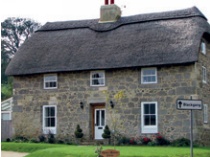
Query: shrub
<point x="160" y="140"/>
<point x="78" y="133"/>
<point x="146" y="140"/>
<point x="123" y="141"/>
<point x="8" y="140"/>
<point x="181" y="142"/>
<point x="132" y="141"/>
<point x="20" y="139"/>
<point x="107" y="133"/>
<point x="152" y="143"/>
<point x="42" y="138"/>
<point x="50" y="138"/>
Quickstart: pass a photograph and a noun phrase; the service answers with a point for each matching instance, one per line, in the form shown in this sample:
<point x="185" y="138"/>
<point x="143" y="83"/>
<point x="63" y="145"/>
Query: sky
<point x="43" y="11"/>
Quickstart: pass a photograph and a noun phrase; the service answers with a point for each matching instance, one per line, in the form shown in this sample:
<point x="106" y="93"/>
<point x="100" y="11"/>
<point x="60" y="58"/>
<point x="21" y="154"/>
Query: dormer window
<point x="203" y="47"/>
<point x="50" y="81"/>
<point x="97" y="78"/>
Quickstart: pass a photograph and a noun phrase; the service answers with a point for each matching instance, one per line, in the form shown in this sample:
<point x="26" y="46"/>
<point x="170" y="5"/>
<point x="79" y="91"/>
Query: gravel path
<point x="12" y="154"/>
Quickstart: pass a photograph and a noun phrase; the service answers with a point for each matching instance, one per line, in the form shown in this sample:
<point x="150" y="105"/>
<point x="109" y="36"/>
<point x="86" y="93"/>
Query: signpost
<point x="191" y="105"/>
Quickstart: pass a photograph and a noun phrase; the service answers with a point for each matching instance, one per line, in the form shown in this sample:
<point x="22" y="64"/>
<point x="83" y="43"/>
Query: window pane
<point x="97" y="118"/>
<point x="52" y="111"/>
<point x="101" y="75"/>
<point x="153" y="120"/>
<point x="146" y="120"/>
<point x="96" y="75"/>
<point x="47" y="112"/>
<point x="95" y="82"/>
<point x="152" y="108"/>
<point x="47" y="84"/>
<point x="47" y="122"/>
<point x="102" y="117"/>
<point x="146" y="109"/>
<point x="101" y="81"/>
<point x="145" y="79"/>
<point x="52" y="122"/>
<point x="149" y="72"/>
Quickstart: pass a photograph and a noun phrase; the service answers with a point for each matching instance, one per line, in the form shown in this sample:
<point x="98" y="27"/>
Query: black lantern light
<point x="111" y="104"/>
<point x="81" y="105"/>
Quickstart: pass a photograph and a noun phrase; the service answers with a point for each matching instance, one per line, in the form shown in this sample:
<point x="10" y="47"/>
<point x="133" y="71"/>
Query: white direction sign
<point x="189" y="104"/>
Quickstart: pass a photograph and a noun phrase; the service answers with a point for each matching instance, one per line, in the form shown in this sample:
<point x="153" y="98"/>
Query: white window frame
<point x="142" y="75"/>
<point x="55" y="80"/>
<point x="103" y="78"/>
<point x="47" y="130"/>
<point x="204" y="74"/>
<point x="203" y="47"/>
<point x="151" y="128"/>
<point x="205" y="113"/>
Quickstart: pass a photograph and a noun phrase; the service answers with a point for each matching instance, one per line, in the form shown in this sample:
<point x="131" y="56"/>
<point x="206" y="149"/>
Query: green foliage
<point x="6" y="91"/>
<point x="50" y="138"/>
<point x="123" y="141"/>
<point x="78" y="133"/>
<point x="98" y="150"/>
<point x="107" y="132"/>
<point x="14" y="31"/>
<point x="181" y="142"/>
<point x="161" y="141"/>
<point x="152" y="143"/>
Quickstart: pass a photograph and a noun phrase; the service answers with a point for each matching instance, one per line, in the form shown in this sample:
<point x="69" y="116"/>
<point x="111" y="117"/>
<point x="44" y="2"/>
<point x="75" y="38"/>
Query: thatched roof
<point x="142" y="40"/>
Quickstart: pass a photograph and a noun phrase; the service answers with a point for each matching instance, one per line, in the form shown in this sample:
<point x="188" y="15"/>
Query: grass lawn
<point x="56" y="150"/>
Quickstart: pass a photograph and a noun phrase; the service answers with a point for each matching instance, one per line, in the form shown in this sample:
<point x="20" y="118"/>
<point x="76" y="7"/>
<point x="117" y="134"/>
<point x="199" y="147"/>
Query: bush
<point x="145" y="140"/>
<point x="42" y="138"/>
<point x="132" y="141"/>
<point x="33" y="140"/>
<point x="20" y="139"/>
<point x="152" y="143"/>
<point x="107" y="133"/>
<point x="161" y="141"/>
<point x="181" y="142"/>
<point x="50" y="138"/>
<point x="123" y="141"/>
<point x="8" y="140"/>
<point x="78" y="133"/>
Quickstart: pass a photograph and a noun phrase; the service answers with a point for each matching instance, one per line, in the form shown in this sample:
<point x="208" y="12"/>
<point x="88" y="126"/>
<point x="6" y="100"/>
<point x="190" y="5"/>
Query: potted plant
<point x="78" y="134"/>
<point x="106" y="135"/>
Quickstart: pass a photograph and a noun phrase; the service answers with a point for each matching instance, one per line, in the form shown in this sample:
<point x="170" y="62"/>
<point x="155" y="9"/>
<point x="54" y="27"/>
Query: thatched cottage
<point x="61" y="73"/>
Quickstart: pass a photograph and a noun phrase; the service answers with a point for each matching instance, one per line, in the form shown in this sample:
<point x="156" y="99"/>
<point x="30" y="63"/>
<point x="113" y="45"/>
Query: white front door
<point x="99" y="123"/>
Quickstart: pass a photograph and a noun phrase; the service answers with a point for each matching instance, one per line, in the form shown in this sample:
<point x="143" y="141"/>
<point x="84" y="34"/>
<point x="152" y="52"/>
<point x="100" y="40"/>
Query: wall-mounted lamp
<point x="81" y="105"/>
<point x="111" y="104"/>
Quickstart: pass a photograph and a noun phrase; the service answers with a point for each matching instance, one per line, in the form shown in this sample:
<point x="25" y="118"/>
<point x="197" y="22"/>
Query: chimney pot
<point x="106" y="2"/>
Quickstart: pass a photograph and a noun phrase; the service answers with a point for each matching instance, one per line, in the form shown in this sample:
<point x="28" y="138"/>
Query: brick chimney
<point x="110" y="12"/>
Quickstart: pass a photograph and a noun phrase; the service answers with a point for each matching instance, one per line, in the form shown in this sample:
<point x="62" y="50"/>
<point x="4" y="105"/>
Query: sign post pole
<point x="190" y="105"/>
<point x="191" y="133"/>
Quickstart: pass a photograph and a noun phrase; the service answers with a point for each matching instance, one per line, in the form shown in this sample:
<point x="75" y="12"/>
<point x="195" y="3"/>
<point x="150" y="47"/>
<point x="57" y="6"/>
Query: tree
<point x="14" y="31"/>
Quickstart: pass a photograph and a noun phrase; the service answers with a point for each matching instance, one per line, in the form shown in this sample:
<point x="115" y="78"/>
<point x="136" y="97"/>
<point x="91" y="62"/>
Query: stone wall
<point x="202" y="130"/>
<point x="74" y="87"/>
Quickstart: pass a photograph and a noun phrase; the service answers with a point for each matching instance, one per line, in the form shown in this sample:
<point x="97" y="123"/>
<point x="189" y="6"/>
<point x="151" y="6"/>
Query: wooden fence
<point x="6" y="129"/>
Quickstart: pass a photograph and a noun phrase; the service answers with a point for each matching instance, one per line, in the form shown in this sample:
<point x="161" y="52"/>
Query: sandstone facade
<point x="174" y="82"/>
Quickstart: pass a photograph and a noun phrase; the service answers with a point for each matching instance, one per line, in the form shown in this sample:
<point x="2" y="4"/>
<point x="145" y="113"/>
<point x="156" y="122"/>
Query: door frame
<point x="93" y="107"/>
